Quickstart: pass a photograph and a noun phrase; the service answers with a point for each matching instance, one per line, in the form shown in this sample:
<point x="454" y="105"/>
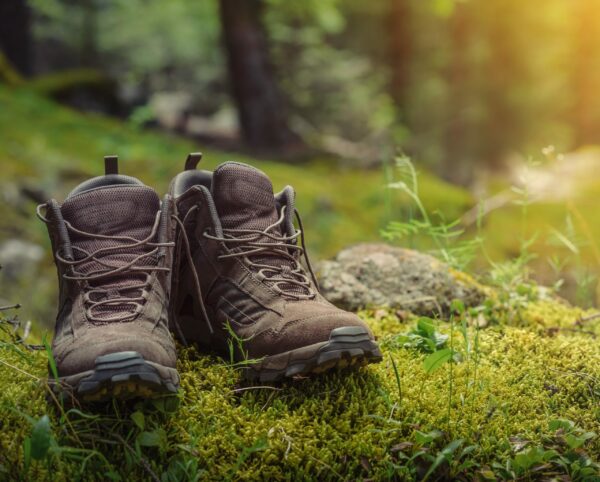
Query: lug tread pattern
<point x="348" y="346"/>
<point x="123" y="375"/>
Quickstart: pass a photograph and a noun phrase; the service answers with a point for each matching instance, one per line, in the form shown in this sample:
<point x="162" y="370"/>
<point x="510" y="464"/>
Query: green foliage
<point x="559" y="455"/>
<point x="471" y="81"/>
<point x="424" y="460"/>
<point x="36" y="446"/>
<point x="329" y="88"/>
<point x="446" y="237"/>
<point x="435" y="360"/>
<point x="126" y="45"/>
<point x="51" y="361"/>
<point x="236" y="347"/>
<point x="515" y="273"/>
<point x="424" y="337"/>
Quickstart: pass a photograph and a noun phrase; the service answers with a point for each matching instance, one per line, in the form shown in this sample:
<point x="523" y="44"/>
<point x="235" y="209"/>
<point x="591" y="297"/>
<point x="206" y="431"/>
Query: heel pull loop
<point x="111" y="165"/>
<point x="192" y="160"/>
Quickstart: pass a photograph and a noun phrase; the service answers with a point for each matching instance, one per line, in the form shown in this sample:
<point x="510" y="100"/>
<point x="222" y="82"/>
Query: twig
<point x="15" y="323"/>
<point x="64" y="416"/>
<point x="19" y="370"/>
<point x="269" y="398"/>
<point x="94" y="438"/>
<point x="10" y="307"/>
<point x="490" y="204"/>
<point x="327" y="466"/>
<point x="576" y="373"/>
<point x="243" y="389"/>
<point x="285" y="437"/>
<point x="591" y="385"/>
<point x="575" y="330"/>
<point x="583" y="319"/>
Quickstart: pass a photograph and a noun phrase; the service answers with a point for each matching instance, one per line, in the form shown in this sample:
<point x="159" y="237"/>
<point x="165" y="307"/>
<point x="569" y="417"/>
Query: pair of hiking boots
<point x="217" y="262"/>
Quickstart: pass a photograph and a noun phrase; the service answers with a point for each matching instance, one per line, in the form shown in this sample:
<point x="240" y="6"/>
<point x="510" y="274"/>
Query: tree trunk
<point x="586" y="73"/>
<point x="399" y="27"/>
<point x="503" y="128"/>
<point x="260" y="104"/>
<point x="89" y="33"/>
<point x="15" y="34"/>
<point x="457" y="167"/>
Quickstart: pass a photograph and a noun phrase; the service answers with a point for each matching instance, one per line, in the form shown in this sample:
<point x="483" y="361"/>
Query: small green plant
<point x="514" y="287"/>
<point x="435" y="361"/>
<point x="585" y="279"/>
<point x="235" y="345"/>
<point x="51" y="360"/>
<point x="258" y="446"/>
<point x="428" y="458"/>
<point x="561" y="453"/>
<point x="453" y="244"/>
<point x="37" y="445"/>
<point x="424" y="337"/>
<point x="447" y="237"/>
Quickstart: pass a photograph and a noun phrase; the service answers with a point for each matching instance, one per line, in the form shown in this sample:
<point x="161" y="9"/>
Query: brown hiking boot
<point x="111" y="240"/>
<point x="246" y="291"/>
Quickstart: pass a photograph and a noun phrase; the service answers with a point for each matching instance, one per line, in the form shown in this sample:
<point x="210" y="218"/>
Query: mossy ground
<point x="500" y="399"/>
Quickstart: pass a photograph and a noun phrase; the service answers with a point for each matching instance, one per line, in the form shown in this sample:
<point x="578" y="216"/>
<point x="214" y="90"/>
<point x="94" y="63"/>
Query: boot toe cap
<point x="81" y="355"/>
<point x="302" y="332"/>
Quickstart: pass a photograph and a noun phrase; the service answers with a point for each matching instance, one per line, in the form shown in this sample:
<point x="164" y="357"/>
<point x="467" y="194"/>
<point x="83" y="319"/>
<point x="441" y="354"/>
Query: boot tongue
<point x="112" y="211"/>
<point x="243" y="197"/>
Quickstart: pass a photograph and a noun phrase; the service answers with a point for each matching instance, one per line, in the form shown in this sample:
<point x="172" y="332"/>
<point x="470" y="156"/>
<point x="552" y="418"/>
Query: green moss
<point x="511" y="383"/>
<point x="59" y="82"/>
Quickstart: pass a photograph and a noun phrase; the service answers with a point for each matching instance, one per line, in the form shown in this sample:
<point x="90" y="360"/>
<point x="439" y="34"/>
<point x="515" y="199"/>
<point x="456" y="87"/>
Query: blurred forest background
<point x="495" y="102"/>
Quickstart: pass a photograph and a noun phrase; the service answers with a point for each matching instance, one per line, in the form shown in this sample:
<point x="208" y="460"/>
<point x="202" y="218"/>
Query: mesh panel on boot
<point x="112" y="211"/>
<point x="243" y="197"/>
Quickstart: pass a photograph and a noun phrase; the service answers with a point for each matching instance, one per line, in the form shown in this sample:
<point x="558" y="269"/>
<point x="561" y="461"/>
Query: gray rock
<point x="370" y="275"/>
<point x="19" y="258"/>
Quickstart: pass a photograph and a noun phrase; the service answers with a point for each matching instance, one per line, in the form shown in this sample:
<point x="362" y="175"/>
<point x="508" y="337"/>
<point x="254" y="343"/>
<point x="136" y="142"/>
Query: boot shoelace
<point x="190" y="260"/>
<point x="285" y="278"/>
<point x="251" y="246"/>
<point x="113" y="296"/>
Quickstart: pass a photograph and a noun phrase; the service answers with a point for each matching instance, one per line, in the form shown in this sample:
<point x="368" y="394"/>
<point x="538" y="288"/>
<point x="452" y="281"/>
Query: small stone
<point x="481" y="321"/>
<point x="19" y="257"/>
<point x="402" y="315"/>
<point x="380" y="314"/>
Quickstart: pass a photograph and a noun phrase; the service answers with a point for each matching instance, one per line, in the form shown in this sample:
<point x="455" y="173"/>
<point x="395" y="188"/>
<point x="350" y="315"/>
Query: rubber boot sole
<point x="122" y="375"/>
<point x="348" y="346"/>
